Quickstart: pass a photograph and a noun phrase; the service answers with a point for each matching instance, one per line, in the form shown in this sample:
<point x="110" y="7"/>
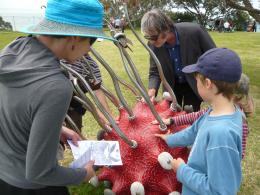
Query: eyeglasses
<point x="151" y="37"/>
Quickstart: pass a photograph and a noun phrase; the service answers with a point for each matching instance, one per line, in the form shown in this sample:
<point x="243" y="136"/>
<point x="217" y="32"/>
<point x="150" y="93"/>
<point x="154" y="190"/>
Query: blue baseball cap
<point x="219" y="64"/>
<point x="82" y="18"/>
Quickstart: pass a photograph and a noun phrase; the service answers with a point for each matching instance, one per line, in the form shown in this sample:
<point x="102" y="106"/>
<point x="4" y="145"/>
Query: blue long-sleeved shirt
<point x="214" y="164"/>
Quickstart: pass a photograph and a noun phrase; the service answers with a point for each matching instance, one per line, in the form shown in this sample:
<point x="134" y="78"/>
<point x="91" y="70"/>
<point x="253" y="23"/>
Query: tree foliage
<point x="240" y="19"/>
<point x="207" y="11"/>
<point x="136" y="8"/>
<point x="245" y="5"/>
<point x="181" y="16"/>
<point x="5" y="25"/>
<point x="203" y="10"/>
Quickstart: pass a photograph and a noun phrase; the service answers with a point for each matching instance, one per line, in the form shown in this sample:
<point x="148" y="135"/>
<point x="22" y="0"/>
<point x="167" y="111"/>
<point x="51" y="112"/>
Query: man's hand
<point x="90" y="171"/>
<point x="151" y="94"/>
<point x="176" y="163"/>
<point x="67" y="133"/>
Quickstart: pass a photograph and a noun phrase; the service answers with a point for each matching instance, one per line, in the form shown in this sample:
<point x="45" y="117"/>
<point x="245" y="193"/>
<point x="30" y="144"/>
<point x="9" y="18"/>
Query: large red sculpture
<point x="140" y="164"/>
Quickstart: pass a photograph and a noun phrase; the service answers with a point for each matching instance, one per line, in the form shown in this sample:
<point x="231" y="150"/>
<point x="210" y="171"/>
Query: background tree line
<point x="201" y="11"/>
<point x="5" y="26"/>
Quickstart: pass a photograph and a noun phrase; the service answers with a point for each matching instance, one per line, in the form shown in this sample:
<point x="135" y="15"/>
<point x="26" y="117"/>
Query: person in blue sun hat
<point x="32" y="84"/>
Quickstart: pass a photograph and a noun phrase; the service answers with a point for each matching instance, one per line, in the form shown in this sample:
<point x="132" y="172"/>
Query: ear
<point x="208" y="83"/>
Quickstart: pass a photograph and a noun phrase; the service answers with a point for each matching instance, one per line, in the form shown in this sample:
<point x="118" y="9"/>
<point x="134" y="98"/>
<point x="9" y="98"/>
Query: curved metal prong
<point x="143" y="92"/>
<point x="115" y="81"/>
<point x="132" y="89"/>
<point x="87" y="104"/>
<point x="74" y="126"/>
<point x="99" y="105"/>
<point x="175" y="106"/>
<point x="111" y="97"/>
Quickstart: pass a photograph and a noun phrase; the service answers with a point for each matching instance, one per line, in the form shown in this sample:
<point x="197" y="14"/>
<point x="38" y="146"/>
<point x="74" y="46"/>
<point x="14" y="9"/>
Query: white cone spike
<point x="175" y="193"/>
<point x="167" y="96"/>
<point x="137" y="188"/>
<point x="109" y="192"/>
<point x="165" y="159"/>
<point x="94" y="181"/>
<point x="107" y="184"/>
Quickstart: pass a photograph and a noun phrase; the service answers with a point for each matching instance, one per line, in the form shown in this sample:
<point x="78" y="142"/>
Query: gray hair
<point x="155" y="22"/>
<point x="243" y="85"/>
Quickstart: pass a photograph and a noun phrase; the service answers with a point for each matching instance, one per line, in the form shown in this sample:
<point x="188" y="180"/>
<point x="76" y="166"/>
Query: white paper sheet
<point x="103" y="152"/>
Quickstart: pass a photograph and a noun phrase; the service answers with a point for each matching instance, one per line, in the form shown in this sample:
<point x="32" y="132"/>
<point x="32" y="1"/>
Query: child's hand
<point x="176" y="163"/>
<point x="162" y="136"/>
<point x="90" y="171"/>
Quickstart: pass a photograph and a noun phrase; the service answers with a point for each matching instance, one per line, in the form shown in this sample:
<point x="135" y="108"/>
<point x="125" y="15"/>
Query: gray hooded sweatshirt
<point x="34" y="97"/>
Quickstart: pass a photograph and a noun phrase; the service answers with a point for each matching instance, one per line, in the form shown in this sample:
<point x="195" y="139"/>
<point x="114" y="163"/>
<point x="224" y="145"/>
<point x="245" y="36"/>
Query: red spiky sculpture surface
<point x="141" y="164"/>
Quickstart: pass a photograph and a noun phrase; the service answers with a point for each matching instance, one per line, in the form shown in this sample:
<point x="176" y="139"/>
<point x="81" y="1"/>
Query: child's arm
<point x="244" y="137"/>
<point x="185" y="137"/>
<point x="182" y="138"/>
<point x="223" y="174"/>
<point x="187" y="119"/>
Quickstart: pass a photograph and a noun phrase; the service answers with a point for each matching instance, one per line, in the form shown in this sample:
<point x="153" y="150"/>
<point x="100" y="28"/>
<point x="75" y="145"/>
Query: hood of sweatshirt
<point x="25" y="61"/>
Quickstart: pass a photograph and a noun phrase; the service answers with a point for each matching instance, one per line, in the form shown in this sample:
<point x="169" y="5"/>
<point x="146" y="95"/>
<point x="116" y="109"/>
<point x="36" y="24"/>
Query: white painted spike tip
<point x="165" y="159"/>
<point x="137" y="188"/>
<point x="167" y="96"/>
<point x="109" y="192"/>
<point x="175" y="193"/>
<point x="94" y="181"/>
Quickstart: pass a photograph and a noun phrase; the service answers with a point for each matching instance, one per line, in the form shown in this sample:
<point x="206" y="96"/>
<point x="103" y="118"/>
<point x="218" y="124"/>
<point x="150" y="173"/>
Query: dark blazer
<point x="194" y="41"/>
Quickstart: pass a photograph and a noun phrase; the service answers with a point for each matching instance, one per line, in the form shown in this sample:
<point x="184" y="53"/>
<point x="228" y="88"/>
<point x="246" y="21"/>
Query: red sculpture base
<point x="141" y="164"/>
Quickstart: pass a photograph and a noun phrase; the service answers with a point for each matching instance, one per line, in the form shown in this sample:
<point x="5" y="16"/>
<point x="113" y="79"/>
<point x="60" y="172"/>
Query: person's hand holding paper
<point x="103" y="152"/>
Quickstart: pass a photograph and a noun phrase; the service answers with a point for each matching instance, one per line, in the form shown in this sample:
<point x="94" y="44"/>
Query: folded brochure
<point x="103" y="152"/>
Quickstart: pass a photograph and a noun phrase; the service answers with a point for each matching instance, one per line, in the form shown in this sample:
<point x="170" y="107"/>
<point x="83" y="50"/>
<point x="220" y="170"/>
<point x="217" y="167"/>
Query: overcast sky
<point x="21" y="13"/>
<point x="21" y="6"/>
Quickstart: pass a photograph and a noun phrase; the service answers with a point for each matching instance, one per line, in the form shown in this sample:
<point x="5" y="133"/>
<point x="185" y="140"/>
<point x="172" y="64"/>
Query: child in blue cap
<point x="32" y="84"/>
<point x="214" y="164"/>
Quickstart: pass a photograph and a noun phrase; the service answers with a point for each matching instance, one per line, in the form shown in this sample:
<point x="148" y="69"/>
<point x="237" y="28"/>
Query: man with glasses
<point x="175" y="45"/>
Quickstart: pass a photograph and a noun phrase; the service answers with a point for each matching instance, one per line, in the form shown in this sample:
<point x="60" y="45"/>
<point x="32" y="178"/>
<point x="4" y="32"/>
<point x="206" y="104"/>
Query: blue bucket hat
<point x="219" y="64"/>
<point x="82" y="18"/>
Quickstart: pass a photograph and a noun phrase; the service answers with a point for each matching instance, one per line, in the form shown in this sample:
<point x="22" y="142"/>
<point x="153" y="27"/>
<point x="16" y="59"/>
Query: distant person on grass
<point x="254" y="26"/>
<point x="214" y="163"/>
<point x="35" y="96"/>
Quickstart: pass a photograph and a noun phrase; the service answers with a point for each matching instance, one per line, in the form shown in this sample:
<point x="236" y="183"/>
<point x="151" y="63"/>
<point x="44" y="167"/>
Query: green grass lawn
<point x="247" y="45"/>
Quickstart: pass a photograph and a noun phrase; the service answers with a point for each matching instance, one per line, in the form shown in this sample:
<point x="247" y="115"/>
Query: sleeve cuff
<point x="170" y="140"/>
<point x="82" y="175"/>
<point x="167" y="140"/>
<point x="179" y="173"/>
